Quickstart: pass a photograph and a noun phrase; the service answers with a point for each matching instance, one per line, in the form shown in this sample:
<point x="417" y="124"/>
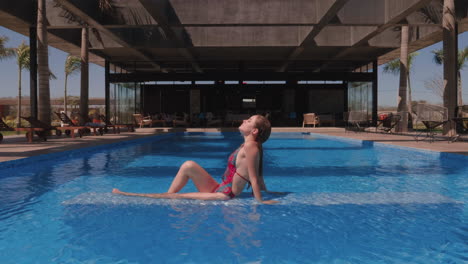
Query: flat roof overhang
<point x="255" y="37"/>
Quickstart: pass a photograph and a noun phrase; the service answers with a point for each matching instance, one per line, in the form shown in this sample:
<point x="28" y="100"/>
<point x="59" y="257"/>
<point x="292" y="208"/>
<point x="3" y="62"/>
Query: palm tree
<point x="43" y="63"/>
<point x="4" y="51"/>
<point x="461" y="63"/>
<point x="22" y="59"/>
<point x="394" y="68"/>
<point x="72" y="65"/>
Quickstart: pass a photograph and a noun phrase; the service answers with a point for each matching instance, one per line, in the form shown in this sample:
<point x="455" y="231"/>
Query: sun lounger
<point x="355" y="120"/>
<point x="69" y="127"/>
<point x="29" y="131"/>
<point x="143" y="120"/>
<point x="388" y="122"/>
<point x="89" y="124"/>
<point x="116" y="127"/>
<point x="4" y="127"/>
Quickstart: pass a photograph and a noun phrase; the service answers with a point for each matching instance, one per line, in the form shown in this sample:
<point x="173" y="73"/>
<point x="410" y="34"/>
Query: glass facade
<point x="360" y="99"/>
<point x="125" y="101"/>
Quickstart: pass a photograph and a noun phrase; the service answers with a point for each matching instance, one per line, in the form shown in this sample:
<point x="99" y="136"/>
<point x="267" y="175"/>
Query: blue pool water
<point x="346" y="202"/>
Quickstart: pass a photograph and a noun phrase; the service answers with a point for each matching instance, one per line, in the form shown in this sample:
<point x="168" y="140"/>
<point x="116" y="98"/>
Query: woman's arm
<point x="251" y="153"/>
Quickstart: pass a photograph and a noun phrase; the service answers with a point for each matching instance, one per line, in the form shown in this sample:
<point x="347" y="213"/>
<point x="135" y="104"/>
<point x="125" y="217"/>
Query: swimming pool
<point x="347" y="201"/>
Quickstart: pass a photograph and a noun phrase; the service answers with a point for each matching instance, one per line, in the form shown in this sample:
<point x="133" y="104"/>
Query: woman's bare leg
<point x="200" y="177"/>
<point x="195" y="196"/>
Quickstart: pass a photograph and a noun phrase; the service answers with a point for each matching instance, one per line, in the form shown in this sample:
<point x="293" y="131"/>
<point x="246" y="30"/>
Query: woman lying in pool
<point x="244" y="167"/>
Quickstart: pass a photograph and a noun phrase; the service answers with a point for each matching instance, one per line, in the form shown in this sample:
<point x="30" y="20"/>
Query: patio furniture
<point x="211" y="120"/>
<point x="235" y="119"/>
<point x="310" y="119"/>
<point x="180" y="120"/>
<point x="4" y="127"/>
<point x="45" y="128"/>
<point x="158" y="119"/>
<point x="97" y="127"/>
<point x="116" y="127"/>
<point x="143" y="120"/>
<point x="29" y="131"/>
<point x="461" y="124"/>
<point x="387" y="122"/>
<point x="355" y="120"/>
<point x="432" y="116"/>
<point x="69" y="127"/>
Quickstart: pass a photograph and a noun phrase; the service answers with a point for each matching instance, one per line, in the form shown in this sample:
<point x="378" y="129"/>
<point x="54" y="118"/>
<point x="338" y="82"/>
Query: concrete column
<point x="84" y="91"/>
<point x="403" y="90"/>
<point x="450" y="64"/>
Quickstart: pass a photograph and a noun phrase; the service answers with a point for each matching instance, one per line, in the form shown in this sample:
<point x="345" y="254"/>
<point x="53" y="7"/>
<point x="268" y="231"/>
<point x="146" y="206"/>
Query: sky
<point x="423" y="69"/>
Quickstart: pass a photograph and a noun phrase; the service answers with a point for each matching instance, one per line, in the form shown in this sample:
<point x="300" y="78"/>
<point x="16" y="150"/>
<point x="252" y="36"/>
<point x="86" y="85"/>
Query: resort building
<point x="232" y="58"/>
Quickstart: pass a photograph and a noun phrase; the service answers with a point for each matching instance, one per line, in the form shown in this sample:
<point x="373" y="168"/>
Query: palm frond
<point x="462" y="58"/>
<point x="72" y="65"/>
<point x="411" y="59"/>
<point x="392" y="67"/>
<point x="438" y="56"/>
<point x="432" y="13"/>
<point x="22" y="56"/>
<point x="4" y="51"/>
<point x="52" y="75"/>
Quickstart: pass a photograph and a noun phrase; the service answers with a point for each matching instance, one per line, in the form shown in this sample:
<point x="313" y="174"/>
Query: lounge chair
<point x="388" y="122"/>
<point x="88" y="123"/>
<point x="158" y="119"/>
<point x="36" y="123"/>
<point x="4" y="127"/>
<point x="310" y="119"/>
<point x="432" y="116"/>
<point x="211" y="120"/>
<point x="355" y="120"/>
<point x="29" y="131"/>
<point x="116" y="127"/>
<point x="180" y="120"/>
<point x="143" y="120"/>
<point x="69" y="127"/>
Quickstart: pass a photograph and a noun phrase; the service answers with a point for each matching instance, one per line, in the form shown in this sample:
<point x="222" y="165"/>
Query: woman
<point x="244" y="166"/>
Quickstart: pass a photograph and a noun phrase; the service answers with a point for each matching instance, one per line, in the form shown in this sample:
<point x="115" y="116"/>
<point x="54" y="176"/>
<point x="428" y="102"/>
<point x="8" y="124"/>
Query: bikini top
<point x="231" y="169"/>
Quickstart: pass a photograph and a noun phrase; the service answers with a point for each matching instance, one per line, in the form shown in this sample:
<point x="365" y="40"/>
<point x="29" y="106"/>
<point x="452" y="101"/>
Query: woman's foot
<point x="117" y="191"/>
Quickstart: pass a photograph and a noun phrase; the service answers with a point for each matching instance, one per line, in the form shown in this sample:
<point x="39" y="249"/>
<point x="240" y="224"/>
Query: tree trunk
<point x="65" y="97"/>
<point x="450" y="64"/>
<point x="43" y="64"/>
<point x="410" y="103"/>
<point x="84" y="92"/>
<point x="410" y="96"/>
<point x="459" y="93"/>
<point x="18" y="115"/>
<point x="402" y="91"/>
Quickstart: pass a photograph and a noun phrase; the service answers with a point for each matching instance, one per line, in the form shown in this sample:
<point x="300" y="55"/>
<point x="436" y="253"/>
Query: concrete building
<point x="242" y="56"/>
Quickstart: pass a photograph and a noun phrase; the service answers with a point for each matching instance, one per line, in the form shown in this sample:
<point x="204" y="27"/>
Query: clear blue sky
<point x="424" y="68"/>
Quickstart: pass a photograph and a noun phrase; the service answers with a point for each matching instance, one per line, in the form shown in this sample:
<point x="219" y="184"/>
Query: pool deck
<point x="17" y="147"/>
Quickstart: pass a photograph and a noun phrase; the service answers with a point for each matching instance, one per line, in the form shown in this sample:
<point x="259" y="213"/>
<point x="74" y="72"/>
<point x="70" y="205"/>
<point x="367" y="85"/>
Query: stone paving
<point x="17" y="147"/>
